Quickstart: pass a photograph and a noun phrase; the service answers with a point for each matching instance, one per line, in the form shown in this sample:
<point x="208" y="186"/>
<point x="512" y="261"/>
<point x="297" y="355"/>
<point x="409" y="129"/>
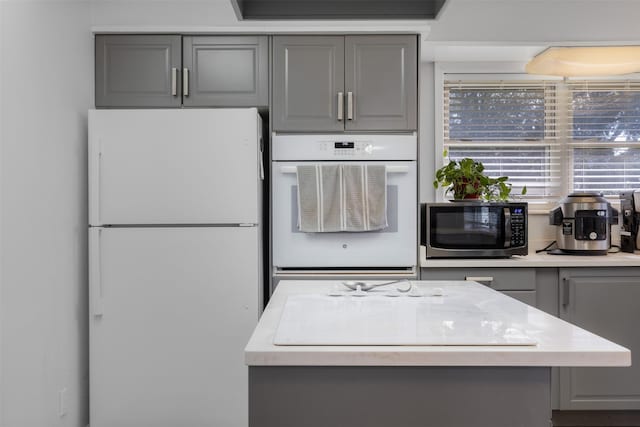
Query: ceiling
<point x="337" y="9"/>
<point x="464" y="30"/>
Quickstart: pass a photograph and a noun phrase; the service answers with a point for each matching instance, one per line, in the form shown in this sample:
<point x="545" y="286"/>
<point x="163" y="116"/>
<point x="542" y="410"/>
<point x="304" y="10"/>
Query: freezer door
<point x="174" y="166"/>
<point x="171" y="312"/>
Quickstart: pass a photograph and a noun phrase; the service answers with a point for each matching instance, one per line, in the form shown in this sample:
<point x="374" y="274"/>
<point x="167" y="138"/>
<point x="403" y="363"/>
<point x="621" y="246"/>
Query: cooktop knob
<point x="593" y="235"/>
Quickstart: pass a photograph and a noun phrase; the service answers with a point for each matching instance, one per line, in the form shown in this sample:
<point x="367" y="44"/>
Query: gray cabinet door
<point x="226" y="71"/>
<point x="308" y="76"/>
<point x="381" y="82"/>
<point x="607" y="303"/>
<point x="500" y="279"/>
<point x="138" y="71"/>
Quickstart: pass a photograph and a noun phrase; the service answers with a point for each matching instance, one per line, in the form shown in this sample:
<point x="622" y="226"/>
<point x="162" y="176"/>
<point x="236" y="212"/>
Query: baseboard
<point x="596" y="418"/>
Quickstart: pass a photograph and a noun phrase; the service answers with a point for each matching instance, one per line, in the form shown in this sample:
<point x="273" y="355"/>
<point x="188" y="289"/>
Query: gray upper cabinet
<point x="381" y="82"/>
<point x="137" y="71"/>
<point x="337" y="83"/>
<point x="225" y="71"/>
<point x="171" y="71"/>
<point x="607" y="303"/>
<point x="308" y="83"/>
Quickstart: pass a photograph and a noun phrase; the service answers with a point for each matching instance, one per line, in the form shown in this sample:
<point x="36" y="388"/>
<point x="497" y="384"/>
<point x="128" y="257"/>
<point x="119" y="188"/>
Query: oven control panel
<point x="369" y="147"/>
<point x="347" y="148"/>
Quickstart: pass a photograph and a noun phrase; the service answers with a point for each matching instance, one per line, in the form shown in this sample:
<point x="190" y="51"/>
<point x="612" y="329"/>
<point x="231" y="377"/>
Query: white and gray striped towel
<point x="339" y="197"/>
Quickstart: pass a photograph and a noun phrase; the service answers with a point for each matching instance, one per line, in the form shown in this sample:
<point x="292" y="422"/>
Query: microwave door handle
<point x="507" y="227"/>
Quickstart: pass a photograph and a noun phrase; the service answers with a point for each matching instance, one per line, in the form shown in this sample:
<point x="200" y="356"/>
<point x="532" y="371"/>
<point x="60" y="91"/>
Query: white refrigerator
<point x="175" y="265"/>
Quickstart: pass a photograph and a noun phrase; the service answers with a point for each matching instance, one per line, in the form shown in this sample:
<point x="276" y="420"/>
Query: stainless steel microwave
<point x="474" y="229"/>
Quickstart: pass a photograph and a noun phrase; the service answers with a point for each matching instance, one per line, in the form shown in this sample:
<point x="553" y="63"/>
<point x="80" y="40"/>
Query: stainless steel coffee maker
<point x="630" y="211"/>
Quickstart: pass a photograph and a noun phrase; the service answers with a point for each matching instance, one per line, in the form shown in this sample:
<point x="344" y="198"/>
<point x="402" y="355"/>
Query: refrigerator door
<point x="171" y="312"/>
<point x="174" y="166"/>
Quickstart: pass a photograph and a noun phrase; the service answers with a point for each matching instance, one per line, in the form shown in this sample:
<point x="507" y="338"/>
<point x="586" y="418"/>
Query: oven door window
<point x="477" y="227"/>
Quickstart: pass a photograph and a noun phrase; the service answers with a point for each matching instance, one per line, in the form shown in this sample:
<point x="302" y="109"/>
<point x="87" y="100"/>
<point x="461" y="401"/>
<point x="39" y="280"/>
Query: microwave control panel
<point x="518" y="225"/>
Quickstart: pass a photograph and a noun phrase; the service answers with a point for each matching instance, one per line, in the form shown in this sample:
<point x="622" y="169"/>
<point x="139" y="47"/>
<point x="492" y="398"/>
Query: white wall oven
<point x="390" y="250"/>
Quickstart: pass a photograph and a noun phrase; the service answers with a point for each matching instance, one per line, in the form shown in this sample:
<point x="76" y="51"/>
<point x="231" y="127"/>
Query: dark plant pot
<point x="461" y="188"/>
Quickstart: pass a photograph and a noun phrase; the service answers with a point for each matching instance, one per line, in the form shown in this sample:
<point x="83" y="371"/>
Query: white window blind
<point x="512" y="127"/>
<point x="604" y="135"/>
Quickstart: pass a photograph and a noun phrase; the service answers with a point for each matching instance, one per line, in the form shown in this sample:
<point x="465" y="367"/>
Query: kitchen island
<point x="492" y="383"/>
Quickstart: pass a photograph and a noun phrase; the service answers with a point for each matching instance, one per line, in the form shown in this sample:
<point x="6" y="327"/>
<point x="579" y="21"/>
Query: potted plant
<point x="465" y="178"/>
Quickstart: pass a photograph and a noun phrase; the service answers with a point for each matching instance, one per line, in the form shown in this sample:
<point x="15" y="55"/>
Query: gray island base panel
<point x="403" y="396"/>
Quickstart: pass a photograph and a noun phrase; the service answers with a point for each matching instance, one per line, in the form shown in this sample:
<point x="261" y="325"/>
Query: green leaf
<point x="466" y="177"/>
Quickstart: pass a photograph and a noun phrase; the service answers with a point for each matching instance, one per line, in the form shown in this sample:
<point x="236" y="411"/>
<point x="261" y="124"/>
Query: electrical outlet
<point x="62" y="402"/>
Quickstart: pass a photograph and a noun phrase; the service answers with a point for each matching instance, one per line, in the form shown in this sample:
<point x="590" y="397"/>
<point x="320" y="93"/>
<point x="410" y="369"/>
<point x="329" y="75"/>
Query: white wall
<point x="217" y="16"/>
<point x="46" y="86"/>
<point x="524" y="21"/>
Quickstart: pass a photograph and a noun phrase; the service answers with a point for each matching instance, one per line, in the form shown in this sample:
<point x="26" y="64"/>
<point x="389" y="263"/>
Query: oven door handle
<point x="390" y="169"/>
<point x="507" y="227"/>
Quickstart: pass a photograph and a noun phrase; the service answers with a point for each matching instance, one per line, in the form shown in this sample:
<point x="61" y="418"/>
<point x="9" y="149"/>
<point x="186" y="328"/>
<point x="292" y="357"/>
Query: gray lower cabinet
<point x="225" y="71"/>
<point x="537" y="287"/>
<point x="171" y="71"/>
<point x="500" y="279"/>
<point x="337" y="83"/>
<point x="605" y="301"/>
<point x="137" y="70"/>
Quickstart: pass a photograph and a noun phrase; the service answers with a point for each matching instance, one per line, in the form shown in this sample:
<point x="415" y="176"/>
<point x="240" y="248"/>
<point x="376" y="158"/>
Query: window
<point x="604" y="136"/>
<point x="510" y="127"/>
<point x="552" y="136"/>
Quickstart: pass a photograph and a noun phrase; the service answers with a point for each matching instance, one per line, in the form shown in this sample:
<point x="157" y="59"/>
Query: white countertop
<point x="620" y="259"/>
<point x="558" y="343"/>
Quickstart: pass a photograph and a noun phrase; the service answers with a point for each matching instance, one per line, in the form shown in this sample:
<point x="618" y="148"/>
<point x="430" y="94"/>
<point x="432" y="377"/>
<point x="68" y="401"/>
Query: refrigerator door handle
<point x="95" y="161"/>
<point x="95" y="276"/>
<point x="261" y="159"/>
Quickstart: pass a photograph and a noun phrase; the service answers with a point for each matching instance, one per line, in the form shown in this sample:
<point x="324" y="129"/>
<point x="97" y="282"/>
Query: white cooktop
<point x="558" y="343"/>
<point x="460" y="316"/>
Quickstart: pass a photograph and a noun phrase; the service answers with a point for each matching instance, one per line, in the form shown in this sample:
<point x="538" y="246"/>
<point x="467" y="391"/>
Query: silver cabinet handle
<point x="487" y="279"/>
<point x="185" y="82"/>
<point x="174" y="81"/>
<point x="340" y="106"/>
<point x="349" y="105"/>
